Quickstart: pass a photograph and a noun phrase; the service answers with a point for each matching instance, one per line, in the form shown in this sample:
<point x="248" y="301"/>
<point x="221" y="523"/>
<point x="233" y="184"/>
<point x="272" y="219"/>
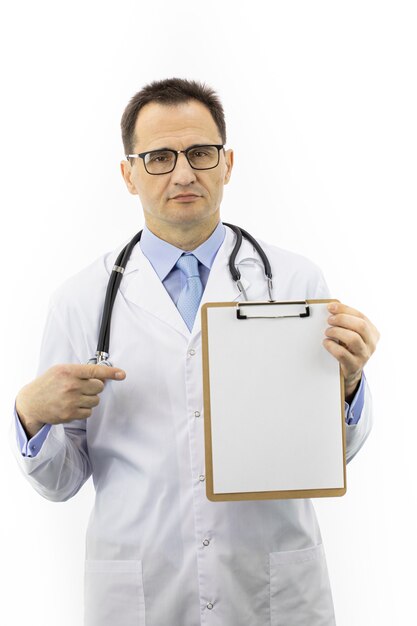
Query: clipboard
<point x="274" y="425"/>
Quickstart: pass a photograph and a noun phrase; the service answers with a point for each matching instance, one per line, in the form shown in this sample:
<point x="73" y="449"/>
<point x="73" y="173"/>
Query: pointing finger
<point x="102" y="372"/>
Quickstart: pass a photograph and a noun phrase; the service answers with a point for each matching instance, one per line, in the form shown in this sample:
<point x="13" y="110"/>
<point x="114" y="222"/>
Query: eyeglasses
<point x="164" y="161"/>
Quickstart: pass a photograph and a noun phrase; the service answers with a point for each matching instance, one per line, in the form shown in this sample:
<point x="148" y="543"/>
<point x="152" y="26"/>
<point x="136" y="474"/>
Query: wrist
<point x="351" y="388"/>
<point x="30" y="424"/>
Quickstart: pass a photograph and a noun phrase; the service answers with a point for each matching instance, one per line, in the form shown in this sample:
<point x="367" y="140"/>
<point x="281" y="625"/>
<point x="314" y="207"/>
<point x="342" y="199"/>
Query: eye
<point x="198" y="154"/>
<point x="160" y="157"/>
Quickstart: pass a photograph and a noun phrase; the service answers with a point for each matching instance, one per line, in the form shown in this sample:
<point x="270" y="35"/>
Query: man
<point x="157" y="549"/>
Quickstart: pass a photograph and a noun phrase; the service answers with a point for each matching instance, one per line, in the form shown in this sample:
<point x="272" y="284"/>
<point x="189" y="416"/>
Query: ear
<point x="126" y="170"/>
<point x="229" y="165"/>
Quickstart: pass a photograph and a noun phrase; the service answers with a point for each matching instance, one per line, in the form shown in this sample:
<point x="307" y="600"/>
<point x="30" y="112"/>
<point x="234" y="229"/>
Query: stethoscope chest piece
<point x="101" y="358"/>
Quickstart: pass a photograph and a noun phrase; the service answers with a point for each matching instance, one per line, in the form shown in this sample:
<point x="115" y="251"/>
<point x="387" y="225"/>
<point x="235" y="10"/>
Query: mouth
<point x="185" y="197"/>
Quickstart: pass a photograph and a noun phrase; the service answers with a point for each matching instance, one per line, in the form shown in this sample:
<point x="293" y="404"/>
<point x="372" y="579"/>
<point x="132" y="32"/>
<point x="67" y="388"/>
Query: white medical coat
<point x="158" y="551"/>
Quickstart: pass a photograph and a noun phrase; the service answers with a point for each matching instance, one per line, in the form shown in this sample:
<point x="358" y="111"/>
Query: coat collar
<point x="142" y="286"/>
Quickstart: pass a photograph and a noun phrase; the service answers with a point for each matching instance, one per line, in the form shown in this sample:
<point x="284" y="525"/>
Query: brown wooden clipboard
<point x="257" y="432"/>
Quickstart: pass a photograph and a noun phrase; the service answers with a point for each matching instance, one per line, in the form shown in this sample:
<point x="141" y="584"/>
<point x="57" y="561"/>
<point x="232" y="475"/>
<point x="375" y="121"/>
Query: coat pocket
<point x="300" y="591"/>
<point x="113" y="593"/>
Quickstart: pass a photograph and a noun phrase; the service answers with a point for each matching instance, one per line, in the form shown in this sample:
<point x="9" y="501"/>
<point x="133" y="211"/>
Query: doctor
<point x="158" y="551"/>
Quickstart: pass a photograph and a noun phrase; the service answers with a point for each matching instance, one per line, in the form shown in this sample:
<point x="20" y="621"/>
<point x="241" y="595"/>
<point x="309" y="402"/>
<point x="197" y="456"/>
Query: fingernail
<point x="119" y="375"/>
<point x="332" y="307"/>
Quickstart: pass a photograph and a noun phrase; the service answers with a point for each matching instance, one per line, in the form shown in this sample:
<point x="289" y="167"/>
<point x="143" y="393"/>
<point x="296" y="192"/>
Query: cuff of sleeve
<point x="354" y="410"/>
<point x="32" y="446"/>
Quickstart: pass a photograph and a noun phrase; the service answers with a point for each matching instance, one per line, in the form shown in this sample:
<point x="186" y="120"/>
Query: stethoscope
<point x="102" y="354"/>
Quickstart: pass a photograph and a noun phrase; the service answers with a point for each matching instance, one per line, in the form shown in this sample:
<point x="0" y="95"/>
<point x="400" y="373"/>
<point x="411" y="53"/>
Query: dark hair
<point x="171" y="91"/>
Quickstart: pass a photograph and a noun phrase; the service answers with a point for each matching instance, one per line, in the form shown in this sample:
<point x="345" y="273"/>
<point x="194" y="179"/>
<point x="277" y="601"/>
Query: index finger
<point x="102" y="372"/>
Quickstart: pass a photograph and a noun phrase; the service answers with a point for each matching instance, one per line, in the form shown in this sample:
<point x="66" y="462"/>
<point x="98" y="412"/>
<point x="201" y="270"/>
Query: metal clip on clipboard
<point x="259" y="310"/>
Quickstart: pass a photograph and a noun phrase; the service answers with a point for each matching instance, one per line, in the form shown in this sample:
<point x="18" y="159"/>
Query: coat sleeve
<point x="62" y="465"/>
<point x="356" y="434"/>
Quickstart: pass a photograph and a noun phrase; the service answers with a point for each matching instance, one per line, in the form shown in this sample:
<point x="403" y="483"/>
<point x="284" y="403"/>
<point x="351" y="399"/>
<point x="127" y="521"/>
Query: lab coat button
<point x="209" y="606"/>
<point x="206" y="542"/>
<point x="191" y="352"/>
<point x="201" y="478"/>
<point x="197" y="413"/>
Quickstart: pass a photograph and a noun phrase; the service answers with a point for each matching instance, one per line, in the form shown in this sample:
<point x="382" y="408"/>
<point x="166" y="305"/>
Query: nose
<point x="183" y="173"/>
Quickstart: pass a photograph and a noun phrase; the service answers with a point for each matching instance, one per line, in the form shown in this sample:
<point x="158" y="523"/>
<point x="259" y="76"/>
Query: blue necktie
<point x="190" y="296"/>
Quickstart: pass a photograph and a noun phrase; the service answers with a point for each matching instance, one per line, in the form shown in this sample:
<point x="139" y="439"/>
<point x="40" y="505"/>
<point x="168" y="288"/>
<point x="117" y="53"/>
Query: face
<point x="164" y="197"/>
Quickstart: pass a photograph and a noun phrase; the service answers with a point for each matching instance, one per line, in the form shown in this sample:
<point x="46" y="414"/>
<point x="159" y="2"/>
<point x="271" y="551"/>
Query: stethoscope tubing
<point x="240" y="233"/>
<point x="119" y="267"/>
<point x="111" y="292"/>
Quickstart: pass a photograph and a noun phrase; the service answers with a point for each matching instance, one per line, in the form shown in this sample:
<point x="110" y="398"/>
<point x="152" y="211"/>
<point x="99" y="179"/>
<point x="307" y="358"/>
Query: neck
<point x="184" y="236"/>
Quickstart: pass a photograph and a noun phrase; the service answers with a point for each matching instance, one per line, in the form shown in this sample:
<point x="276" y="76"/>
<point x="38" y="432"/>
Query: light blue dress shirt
<point x="163" y="257"/>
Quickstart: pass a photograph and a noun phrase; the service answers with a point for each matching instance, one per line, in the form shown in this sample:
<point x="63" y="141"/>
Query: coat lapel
<point x="142" y="286"/>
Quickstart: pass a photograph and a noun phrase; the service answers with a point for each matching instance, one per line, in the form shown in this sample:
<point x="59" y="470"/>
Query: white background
<point x="320" y="99"/>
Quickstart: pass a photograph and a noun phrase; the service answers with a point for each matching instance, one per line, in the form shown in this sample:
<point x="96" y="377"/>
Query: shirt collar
<point x="163" y="255"/>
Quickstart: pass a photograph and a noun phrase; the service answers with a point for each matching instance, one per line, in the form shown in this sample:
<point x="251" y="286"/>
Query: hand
<point x="357" y="338"/>
<point x="63" y="393"/>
